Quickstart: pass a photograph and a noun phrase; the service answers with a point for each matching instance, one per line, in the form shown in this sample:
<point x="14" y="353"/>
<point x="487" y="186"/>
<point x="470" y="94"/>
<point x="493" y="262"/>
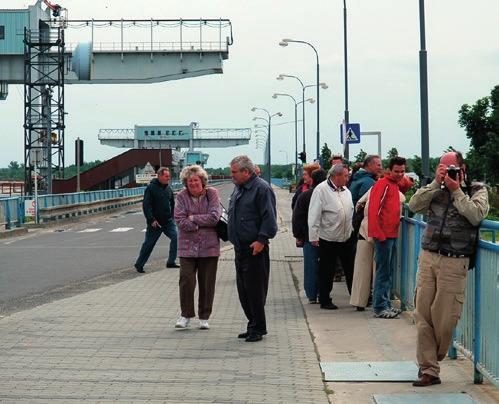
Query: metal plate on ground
<point x="369" y="371"/>
<point x="423" y="399"/>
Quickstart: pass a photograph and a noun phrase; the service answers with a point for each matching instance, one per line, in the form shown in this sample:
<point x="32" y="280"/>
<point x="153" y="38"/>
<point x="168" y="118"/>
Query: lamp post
<point x="345" y="55"/>
<point x="311" y="100"/>
<point x="285" y="42"/>
<point x="423" y="83"/>
<point x="303" y="87"/>
<point x="269" y="122"/>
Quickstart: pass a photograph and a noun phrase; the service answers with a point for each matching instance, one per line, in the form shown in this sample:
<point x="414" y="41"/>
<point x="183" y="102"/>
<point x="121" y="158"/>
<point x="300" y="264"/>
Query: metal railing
<point x="12" y="209"/>
<point x="167" y="46"/>
<point x="477" y="332"/>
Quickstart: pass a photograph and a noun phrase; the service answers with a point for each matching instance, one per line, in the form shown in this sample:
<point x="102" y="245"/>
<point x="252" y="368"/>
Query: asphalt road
<point x="54" y="263"/>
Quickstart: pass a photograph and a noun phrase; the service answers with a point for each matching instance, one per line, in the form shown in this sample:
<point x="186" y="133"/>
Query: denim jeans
<point x="311" y="270"/>
<point x="152" y="236"/>
<point x="385" y="260"/>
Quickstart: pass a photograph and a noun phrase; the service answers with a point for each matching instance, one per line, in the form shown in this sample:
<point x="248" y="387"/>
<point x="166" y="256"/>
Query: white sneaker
<point x="203" y="325"/>
<point x="182" y="322"/>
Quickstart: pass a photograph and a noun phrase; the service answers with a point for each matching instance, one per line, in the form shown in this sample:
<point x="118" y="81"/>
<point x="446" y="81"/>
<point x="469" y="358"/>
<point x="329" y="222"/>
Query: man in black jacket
<point x="252" y="222"/>
<point x="158" y="207"/>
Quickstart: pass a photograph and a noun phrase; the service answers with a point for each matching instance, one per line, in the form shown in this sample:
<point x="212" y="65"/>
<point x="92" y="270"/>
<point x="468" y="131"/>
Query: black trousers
<point x="329" y="251"/>
<point x="252" y="278"/>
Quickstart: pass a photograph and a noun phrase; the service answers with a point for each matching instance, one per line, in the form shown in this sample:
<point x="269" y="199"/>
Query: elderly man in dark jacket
<point x="158" y="207"/>
<point x="252" y="222"/>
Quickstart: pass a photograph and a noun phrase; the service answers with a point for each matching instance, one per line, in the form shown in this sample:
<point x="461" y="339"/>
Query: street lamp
<point x="324" y="86"/>
<point x="269" y="121"/>
<point x="311" y="100"/>
<point x="285" y="42"/>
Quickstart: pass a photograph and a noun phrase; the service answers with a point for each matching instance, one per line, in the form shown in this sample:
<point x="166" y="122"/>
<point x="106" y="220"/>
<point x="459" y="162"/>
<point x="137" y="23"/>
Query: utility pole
<point x="423" y="82"/>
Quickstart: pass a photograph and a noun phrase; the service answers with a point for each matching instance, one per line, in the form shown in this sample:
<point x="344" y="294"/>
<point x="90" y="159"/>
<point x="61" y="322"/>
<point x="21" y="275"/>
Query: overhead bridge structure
<point x="43" y="50"/>
<point x="161" y="137"/>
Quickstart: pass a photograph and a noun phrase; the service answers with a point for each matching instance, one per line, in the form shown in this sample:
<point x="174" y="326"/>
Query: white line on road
<point x="121" y="229"/>
<point x="89" y="230"/>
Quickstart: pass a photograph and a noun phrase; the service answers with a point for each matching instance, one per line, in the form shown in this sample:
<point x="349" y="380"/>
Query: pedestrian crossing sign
<point x="350" y="132"/>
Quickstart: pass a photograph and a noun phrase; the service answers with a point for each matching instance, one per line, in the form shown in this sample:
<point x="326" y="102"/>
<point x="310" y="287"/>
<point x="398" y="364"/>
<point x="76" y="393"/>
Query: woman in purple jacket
<point x="197" y="212"/>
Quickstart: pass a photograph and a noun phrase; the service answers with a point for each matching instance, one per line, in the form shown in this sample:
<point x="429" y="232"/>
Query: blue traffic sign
<point x="351" y="132"/>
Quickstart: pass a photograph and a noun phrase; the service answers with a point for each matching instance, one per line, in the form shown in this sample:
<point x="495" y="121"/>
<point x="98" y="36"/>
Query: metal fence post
<point x="477" y="340"/>
<point x="20" y="212"/>
<point x="7" y="215"/>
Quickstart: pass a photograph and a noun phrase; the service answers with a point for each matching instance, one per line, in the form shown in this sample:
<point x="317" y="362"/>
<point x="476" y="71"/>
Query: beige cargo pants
<point x="439" y="301"/>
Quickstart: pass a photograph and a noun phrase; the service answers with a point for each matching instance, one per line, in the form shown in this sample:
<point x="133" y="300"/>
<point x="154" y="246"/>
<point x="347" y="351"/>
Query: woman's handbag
<point x="222" y="229"/>
<point x="221" y="226"/>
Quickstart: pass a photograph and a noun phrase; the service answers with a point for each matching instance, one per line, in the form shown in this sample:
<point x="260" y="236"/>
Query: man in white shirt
<point x="330" y="227"/>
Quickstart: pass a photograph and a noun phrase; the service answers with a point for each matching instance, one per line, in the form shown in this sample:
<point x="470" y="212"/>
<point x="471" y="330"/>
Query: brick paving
<point x="118" y="343"/>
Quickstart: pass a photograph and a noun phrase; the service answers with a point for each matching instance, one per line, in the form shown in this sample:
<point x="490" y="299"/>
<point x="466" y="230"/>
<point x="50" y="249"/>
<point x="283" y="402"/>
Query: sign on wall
<point x="163" y="132"/>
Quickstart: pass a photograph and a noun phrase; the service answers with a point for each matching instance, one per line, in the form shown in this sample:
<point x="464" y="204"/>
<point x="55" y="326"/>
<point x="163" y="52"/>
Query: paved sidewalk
<point x="117" y="343"/>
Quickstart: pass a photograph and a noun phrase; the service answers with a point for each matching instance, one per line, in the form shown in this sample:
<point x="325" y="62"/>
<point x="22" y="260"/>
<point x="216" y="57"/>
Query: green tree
<point x="14" y="165"/>
<point x="393" y="152"/>
<point x="326" y="156"/>
<point x="417" y="166"/>
<point x="481" y="123"/>
<point x="359" y="158"/>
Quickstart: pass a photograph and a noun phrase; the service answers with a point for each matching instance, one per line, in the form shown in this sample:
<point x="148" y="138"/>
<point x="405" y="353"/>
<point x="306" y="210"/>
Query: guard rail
<point x="61" y="206"/>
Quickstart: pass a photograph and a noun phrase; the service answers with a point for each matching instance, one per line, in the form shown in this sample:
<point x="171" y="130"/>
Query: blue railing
<point x="280" y="182"/>
<point x="12" y="209"/>
<point x="477" y="332"/>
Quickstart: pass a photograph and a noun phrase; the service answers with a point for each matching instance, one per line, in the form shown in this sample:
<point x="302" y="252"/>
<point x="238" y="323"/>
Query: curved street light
<point x="269" y="123"/>
<point x="311" y="100"/>
<point x="324" y="86"/>
<point x="286" y="42"/>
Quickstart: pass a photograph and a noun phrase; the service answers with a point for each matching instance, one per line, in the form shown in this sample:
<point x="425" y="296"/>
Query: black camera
<point x="453" y="171"/>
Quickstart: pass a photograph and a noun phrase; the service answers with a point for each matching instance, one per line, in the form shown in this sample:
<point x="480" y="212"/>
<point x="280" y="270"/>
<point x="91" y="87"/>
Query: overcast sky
<point x="462" y="39"/>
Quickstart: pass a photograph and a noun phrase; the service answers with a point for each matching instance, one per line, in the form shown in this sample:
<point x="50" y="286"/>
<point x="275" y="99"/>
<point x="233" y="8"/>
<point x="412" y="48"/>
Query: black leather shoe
<point x="361" y="308"/>
<point x="253" y="338"/>
<point x="172" y="265"/>
<point x="246" y="334"/>
<point x="426" y="380"/>
<point x="329" y="306"/>
<point x="139" y="269"/>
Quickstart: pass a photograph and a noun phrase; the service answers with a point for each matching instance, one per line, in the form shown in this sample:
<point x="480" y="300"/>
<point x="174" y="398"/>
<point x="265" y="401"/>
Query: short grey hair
<point x="192" y="170"/>
<point x="243" y="162"/>
<point x="161" y="171"/>
<point x="337" y="169"/>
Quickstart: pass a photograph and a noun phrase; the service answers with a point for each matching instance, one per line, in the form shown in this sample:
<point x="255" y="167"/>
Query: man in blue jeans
<point x="158" y="207"/>
<point x="383" y="226"/>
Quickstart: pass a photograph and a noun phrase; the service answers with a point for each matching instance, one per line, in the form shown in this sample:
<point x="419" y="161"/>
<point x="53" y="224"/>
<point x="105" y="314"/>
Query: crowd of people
<point x="354" y="220"/>
<point x="341" y="220"/>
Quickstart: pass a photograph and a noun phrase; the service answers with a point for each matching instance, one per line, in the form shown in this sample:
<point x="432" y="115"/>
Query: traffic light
<point x="302" y="156"/>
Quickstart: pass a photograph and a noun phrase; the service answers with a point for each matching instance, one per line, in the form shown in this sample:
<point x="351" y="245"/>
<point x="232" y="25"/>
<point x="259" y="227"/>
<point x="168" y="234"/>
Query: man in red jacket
<point x="383" y="227"/>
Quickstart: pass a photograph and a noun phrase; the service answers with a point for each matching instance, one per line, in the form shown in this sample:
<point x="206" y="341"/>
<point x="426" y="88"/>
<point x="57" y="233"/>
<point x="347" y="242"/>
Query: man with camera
<point x="454" y="209"/>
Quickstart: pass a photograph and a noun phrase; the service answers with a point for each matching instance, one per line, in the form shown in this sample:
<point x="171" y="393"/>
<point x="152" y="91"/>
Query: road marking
<point x="144" y="230"/>
<point x="121" y="229"/>
<point x="90" y="230"/>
